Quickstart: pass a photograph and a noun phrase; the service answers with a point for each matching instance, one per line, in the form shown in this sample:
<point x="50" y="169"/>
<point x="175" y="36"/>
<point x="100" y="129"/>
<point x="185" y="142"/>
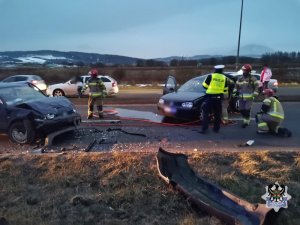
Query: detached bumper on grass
<point x="175" y="170"/>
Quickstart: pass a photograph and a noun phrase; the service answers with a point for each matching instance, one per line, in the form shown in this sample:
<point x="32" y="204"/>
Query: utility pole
<point x="238" y="50"/>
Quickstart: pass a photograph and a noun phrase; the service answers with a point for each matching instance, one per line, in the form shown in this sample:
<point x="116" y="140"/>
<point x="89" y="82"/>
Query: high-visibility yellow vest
<point x="217" y="84"/>
<point x="276" y="109"/>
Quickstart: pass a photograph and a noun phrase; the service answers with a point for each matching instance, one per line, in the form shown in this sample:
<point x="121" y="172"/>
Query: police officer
<point x="246" y="90"/>
<point x="271" y="115"/>
<point x="96" y="95"/>
<point x="215" y="84"/>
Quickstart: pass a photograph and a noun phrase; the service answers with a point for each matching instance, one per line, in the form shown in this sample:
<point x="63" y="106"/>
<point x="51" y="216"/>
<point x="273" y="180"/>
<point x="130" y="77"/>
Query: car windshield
<point x="18" y="94"/>
<point x="193" y="85"/>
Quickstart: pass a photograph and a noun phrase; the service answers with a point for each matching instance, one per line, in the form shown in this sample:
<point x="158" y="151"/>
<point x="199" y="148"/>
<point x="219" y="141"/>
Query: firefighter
<point x="215" y="84"/>
<point x="226" y="101"/>
<point x="271" y="116"/>
<point x="96" y="95"/>
<point x="246" y="90"/>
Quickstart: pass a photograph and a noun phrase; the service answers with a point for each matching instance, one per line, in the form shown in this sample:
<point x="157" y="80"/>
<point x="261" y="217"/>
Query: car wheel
<point x="22" y="132"/>
<point x="58" y="92"/>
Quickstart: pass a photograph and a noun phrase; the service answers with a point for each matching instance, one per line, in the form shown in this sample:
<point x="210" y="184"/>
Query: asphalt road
<point x="146" y="119"/>
<point x="132" y="124"/>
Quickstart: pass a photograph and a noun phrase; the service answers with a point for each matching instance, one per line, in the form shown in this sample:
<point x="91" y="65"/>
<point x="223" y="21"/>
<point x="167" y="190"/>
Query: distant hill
<point x="58" y="58"/>
<point x="52" y="58"/>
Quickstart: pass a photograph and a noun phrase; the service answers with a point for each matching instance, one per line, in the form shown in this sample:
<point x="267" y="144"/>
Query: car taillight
<point x="34" y="81"/>
<point x="114" y="84"/>
<point x="275" y="83"/>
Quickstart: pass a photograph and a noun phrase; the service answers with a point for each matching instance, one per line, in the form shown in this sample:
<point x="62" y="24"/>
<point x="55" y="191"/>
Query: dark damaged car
<point x="183" y="103"/>
<point x="27" y="114"/>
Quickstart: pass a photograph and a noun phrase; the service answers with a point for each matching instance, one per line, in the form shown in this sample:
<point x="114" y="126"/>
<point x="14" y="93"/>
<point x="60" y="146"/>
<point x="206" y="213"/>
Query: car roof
<point x="13" y="84"/>
<point x="24" y="75"/>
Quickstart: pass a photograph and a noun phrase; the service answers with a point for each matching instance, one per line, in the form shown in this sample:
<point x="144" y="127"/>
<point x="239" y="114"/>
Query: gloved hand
<point x="255" y="94"/>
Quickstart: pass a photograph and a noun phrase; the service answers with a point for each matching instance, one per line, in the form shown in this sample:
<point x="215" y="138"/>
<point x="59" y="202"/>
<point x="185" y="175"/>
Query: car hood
<point x="182" y="96"/>
<point x="48" y="105"/>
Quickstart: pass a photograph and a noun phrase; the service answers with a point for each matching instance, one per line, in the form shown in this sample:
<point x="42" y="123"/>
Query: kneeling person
<point x="271" y="116"/>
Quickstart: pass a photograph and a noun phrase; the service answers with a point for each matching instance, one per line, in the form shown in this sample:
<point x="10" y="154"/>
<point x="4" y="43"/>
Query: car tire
<point x="58" y="92"/>
<point x="22" y="132"/>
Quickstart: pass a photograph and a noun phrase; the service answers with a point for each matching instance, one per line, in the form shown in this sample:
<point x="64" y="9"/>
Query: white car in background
<point x="34" y="79"/>
<point x="69" y="88"/>
<point x="273" y="83"/>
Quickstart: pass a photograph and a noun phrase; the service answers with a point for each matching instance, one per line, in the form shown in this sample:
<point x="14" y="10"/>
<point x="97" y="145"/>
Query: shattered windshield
<point x="193" y="85"/>
<point x="18" y="94"/>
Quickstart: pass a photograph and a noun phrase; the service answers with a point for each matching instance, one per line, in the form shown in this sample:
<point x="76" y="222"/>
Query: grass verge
<point x="124" y="188"/>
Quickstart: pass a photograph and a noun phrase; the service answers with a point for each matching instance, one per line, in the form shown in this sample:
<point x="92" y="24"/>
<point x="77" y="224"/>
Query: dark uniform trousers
<point x="212" y="104"/>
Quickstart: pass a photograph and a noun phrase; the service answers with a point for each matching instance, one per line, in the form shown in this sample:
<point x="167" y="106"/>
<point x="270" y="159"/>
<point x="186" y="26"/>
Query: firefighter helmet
<point x="268" y="92"/>
<point x="247" y="68"/>
<point x="93" y="73"/>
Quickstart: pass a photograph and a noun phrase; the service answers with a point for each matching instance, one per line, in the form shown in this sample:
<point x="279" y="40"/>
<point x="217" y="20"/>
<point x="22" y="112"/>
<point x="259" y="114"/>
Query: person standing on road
<point x="247" y="90"/>
<point x="271" y="115"/>
<point x="96" y="95"/>
<point x="226" y="101"/>
<point x="216" y="85"/>
<point x="265" y="76"/>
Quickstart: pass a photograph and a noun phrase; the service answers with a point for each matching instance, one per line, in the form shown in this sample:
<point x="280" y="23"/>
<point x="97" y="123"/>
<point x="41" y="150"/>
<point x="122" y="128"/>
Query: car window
<point x="21" y="78"/>
<point x="37" y="78"/>
<point x="19" y="94"/>
<point x="84" y="79"/>
<point x="257" y="77"/>
<point x="194" y="85"/>
<point x="9" y="79"/>
<point x="104" y="79"/>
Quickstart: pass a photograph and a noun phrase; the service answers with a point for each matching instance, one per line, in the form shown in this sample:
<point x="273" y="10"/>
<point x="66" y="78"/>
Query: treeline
<point x="272" y="59"/>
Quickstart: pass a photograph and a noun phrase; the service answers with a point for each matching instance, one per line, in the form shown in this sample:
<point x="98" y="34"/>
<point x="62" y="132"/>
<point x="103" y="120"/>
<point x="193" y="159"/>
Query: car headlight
<point x="49" y="116"/>
<point x="187" y="105"/>
<point x="161" y="101"/>
<point x="74" y="111"/>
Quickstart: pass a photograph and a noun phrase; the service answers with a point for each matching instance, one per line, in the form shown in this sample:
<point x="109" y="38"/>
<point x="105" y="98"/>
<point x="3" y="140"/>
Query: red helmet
<point x="247" y="68"/>
<point x="93" y="73"/>
<point x="268" y="92"/>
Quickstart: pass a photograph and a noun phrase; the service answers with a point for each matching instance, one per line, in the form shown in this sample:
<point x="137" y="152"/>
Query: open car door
<point x="170" y="85"/>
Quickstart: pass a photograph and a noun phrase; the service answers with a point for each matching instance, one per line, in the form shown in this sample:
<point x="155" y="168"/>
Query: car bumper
<point x="179" y="112"/>
<point x="48" y="126"/>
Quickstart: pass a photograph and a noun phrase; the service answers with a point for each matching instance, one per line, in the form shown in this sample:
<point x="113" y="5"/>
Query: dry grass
<point x="124" y="188"/>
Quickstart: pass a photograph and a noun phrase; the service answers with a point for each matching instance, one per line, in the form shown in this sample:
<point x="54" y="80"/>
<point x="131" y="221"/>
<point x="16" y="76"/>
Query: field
<point x="124" y="188"/>
<point x="141" y="75"/>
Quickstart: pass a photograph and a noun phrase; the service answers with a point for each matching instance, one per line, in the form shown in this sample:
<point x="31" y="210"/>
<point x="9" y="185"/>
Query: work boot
<point x="262" y="132"/>
<point x="216" y="130"/>
<point x="244" y="125"/>
<point x="203" y="131"/>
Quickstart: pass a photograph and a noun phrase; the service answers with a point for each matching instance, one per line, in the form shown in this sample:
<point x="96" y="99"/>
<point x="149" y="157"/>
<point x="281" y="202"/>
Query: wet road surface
<point x="139" y="128"/>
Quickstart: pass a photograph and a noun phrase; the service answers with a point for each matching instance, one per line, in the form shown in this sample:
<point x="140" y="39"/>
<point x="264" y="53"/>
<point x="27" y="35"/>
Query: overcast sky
<point x="148" y="28"/>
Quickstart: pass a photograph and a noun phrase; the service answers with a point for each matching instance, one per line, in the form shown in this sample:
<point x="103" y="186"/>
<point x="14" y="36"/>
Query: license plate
<point x="169" y="109"/>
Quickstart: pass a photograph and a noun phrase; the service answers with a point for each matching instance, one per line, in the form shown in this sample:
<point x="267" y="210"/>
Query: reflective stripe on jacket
<point x="216" y="84"/>
<point x="276" y="109"/>
<point x="96" y="86"/>
<point x="247" y="87"/>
